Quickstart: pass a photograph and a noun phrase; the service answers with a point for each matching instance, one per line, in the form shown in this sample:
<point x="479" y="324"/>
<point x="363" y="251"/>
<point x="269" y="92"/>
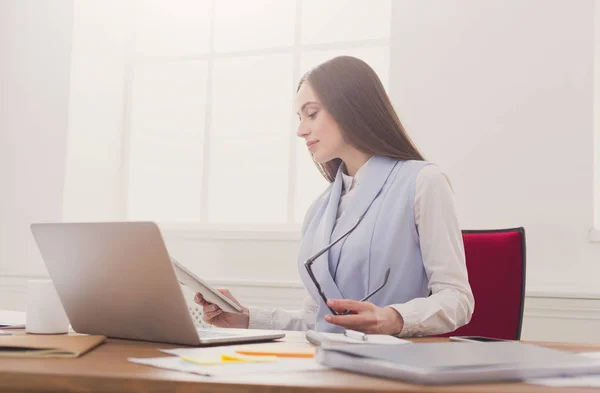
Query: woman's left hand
<point x="365" y="317"/>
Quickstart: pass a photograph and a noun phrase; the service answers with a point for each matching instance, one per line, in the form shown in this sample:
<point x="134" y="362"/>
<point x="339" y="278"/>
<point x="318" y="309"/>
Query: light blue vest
<point x="386" y="238"/>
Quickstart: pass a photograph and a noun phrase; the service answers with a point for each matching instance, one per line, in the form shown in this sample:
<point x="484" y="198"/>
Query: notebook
<point x="48" y="346"/>
<point x="456" y="362"/>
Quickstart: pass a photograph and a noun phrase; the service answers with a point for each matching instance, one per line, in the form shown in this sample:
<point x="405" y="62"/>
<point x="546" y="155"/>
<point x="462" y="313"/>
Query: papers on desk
<point x="282" y="365"/>
<point x="225" y="360"/>
<point x="317" y="338"/>
<point x="261" y="358"/>
<point x="278" y="350"/>
<point x="590" y="381"/>
<point x="12" y="319"/>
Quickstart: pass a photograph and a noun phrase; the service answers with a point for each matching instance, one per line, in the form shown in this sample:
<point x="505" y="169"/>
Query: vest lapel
<point x="376" y="174"/>
<point x="323" y="238"/>
<point x="374" y="177"/>
<point x="332" y="208"/>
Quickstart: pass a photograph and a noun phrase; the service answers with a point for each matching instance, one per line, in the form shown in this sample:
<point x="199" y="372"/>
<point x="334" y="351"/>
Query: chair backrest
<point x="496" y="265"/>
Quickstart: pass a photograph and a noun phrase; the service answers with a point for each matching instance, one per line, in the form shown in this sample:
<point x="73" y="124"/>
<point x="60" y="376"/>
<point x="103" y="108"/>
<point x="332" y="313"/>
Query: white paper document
<point x="282" y="365"/>
<point x="371" y="339"/>
<point x="592" y="381"/>
<point x="318" y="337"/>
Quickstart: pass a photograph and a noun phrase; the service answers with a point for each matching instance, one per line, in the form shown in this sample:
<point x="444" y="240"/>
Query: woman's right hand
<point x="214" y="315"/>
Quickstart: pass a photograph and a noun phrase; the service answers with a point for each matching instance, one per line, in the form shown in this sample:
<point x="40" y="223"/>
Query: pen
<point x="355" y="335"/>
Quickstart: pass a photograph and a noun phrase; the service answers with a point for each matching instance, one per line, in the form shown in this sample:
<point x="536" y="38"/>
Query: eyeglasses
<point x="311" y="260"/>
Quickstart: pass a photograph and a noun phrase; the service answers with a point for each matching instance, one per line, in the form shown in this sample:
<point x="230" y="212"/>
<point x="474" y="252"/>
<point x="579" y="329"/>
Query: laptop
<point x="116" y="279"/>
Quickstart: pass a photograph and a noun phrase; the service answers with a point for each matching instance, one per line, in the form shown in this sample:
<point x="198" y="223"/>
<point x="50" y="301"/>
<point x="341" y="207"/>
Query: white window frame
<point x="203" y="229"/>
<point x="110" y="193"/>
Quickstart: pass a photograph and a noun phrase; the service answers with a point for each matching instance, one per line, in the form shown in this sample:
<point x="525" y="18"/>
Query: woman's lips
<point x="311" y="145"/>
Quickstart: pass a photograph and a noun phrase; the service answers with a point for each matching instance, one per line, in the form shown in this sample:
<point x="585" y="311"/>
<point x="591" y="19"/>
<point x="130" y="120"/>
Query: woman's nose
<point x="302" y="131"/>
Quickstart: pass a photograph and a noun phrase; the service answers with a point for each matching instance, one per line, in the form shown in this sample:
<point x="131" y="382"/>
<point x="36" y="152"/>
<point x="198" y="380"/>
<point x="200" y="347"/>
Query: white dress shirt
<point x="451" y="303"/>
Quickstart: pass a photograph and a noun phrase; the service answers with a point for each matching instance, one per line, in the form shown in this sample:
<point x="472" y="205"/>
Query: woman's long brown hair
<point x="353" y="94"/>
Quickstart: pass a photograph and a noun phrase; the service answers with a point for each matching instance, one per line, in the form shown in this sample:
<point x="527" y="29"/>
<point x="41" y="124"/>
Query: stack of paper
<point x="452" y="362"/>
<point x="590" y="381"/>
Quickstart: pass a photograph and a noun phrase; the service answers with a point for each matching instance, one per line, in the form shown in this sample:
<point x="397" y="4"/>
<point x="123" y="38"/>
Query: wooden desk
<point x="106" y="369"/>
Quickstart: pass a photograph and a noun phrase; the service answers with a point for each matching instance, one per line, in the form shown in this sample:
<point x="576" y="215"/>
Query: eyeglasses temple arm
<point x="311" y="260"/>
<point x="317" y="255"/>
<point x="387" y="275"/>
<point x="319" y="290"/>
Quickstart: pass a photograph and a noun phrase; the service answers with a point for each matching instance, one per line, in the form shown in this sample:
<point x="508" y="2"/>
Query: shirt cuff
<point x="410" y="317"/>
<point x="260" y="318"/>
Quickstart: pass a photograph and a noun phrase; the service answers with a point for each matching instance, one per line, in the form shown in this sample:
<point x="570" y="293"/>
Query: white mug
<point x="45" y="313"/>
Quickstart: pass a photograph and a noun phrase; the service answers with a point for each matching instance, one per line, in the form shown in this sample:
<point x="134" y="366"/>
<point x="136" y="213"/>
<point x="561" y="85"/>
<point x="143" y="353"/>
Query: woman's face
<point x="321" y="132"/>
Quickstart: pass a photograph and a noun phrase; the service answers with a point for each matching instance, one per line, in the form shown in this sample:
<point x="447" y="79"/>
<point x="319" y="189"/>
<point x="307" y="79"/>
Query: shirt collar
<point x="353" y="181"/>
<point x="347" y="180"/>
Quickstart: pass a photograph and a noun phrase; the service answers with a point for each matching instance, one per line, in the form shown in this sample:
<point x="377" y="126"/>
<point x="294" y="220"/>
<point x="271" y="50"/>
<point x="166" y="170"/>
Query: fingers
<point x="208" y="317"/>
<point x="228" y="294"/>
<point x="354" y="322"/>
<point x="362" y="318"/>
<point x="341" y="305"/>
<point x="207" y="308"/>
<point x="200" y="299"/>
<point x="210" y="308"/>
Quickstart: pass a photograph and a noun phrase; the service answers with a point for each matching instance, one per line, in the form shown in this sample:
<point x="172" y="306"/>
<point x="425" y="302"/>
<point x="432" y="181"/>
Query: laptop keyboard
<point x="207" y="333"/>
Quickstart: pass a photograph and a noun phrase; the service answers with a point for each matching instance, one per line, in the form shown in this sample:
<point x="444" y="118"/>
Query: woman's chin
<point x="321" y="158"/>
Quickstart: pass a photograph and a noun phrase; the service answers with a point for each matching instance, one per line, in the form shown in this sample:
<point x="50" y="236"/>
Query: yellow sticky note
<point x="238" y="357"/>
<point x="229" y="358"/>
<point x="202" y="361"/>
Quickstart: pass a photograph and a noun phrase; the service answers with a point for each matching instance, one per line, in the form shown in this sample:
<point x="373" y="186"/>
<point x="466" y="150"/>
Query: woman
<point x="407" y="225"/>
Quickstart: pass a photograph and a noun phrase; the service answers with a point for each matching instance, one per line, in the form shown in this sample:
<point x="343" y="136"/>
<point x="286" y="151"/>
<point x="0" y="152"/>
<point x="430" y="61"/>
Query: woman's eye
<point x="313" y="115"/>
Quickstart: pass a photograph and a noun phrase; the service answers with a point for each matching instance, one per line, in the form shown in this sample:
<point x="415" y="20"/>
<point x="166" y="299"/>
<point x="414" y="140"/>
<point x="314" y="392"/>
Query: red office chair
<point x="496" y="265"/>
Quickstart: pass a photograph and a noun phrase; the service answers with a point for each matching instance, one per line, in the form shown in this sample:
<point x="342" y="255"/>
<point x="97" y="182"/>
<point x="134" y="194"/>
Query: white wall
<point x="35" y="50"/>
<point x="498" y="93"/>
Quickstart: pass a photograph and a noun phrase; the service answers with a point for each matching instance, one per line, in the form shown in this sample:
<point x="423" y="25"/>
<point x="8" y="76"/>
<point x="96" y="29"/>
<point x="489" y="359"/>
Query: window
<point x="201" y="97"/>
